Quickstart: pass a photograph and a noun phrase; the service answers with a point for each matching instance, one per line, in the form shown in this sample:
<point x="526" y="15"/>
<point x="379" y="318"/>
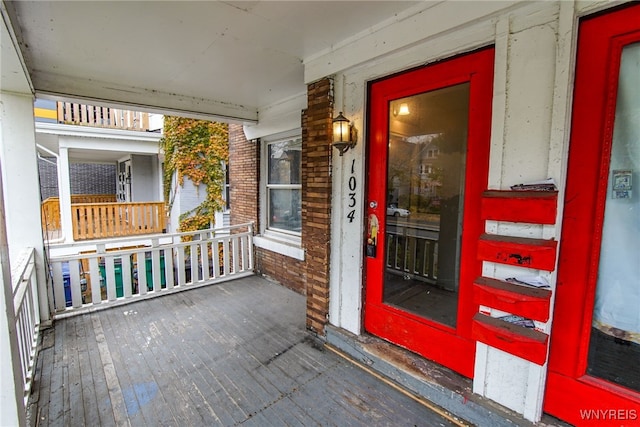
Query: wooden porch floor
<point x="230" y="354"/>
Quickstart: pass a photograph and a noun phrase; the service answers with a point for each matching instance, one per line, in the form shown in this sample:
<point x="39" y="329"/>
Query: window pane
<point x="285" y="209"/>
<point x="284" y="162"/>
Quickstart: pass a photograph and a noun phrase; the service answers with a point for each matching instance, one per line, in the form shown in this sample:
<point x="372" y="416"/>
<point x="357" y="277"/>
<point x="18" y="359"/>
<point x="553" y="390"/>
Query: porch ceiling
<point x="225" y="59"/>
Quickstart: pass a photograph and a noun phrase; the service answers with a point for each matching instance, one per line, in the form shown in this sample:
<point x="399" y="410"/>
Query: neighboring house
<point x="85" y="178"/>
<point x="523" y="91"/>
<point x="184" y="198"/>
<point x="96" y="154"/>
<point x="97" y="168"/>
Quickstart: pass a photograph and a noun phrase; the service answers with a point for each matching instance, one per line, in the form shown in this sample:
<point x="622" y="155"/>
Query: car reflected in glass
<point x="393" y="210"/>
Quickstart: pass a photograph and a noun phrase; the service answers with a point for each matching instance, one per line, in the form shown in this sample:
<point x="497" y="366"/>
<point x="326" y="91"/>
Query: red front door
<point x="429" y="132"/>
<point x="594" y="360"/>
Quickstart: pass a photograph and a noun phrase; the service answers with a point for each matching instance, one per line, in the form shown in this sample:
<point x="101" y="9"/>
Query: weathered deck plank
<point x="76" y="416"/>
<point x="100" y="390"/>
<point x="230" y="354"/>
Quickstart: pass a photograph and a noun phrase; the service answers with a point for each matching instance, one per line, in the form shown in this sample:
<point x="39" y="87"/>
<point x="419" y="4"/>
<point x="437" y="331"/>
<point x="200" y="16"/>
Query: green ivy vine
<point x="195" y="149"/>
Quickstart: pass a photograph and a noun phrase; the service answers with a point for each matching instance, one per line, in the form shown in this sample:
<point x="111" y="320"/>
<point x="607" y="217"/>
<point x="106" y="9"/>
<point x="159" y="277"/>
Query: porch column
<point x="21" y="185"/>
<point x="19" y="229"/>
<point x="316" y="200"/>
<point x="64" y="194"/>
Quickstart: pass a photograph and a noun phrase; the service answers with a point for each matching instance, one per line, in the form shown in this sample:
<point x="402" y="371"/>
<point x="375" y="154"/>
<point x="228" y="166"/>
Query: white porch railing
<point x="411" y="253"/>
<point x="25" y="304"/>
<point x="95" y="274"/>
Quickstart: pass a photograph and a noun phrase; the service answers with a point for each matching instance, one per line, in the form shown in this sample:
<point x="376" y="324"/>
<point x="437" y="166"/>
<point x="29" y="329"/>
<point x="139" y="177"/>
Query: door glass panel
<point x="614" y="352"/>
<point x="425" y="182"/>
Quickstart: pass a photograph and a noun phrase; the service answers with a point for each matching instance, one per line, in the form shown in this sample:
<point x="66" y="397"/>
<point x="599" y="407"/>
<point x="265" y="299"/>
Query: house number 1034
<point x="352" y="192"/>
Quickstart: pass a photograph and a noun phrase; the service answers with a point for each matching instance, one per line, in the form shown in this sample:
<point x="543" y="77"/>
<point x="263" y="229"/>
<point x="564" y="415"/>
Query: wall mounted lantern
<point x="343" y="137"/>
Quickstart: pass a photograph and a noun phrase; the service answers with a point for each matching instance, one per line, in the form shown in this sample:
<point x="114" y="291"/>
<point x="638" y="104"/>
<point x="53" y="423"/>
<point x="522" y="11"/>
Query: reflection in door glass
<point x="614" y="351"/>
<point x="425" y="183"/>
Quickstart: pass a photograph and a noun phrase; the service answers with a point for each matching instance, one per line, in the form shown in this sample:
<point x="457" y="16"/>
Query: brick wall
<point x="316" y="200"/>
<point x="244" y="182"/>
<point x="310" y="277"/>
<point x="287" y="271"/>
<point x="244" y="177"/>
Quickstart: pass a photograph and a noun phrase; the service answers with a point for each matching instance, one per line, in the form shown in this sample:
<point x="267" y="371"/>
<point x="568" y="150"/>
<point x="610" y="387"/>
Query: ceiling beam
<point x="414" y="25"/>
<point x="110" y="94"/>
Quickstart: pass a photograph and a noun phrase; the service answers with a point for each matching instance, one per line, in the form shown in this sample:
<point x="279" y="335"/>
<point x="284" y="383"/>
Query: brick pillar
<point x="244" y="177"/>
<point x="316" y="200"/>
<point x="310" y="277"/>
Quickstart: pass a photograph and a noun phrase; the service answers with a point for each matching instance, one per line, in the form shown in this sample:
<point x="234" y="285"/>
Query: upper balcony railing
<point x="100" y="216"/>
<point x="101" y="220"/>
<point x="72" y="113"/>
<point x="51" y="207"/>
<point x="105" y="117"/>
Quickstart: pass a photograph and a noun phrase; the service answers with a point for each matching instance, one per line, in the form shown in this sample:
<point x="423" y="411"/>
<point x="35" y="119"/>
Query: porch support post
<point x="316" y="200"/>
<point x="21" y="186"/>
<point x="19" y="229"/>
<point x="64" y="194"/>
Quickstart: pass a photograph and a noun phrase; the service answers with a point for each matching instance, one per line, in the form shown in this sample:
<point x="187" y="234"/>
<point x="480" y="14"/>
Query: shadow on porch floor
<point x="229" y="354"/>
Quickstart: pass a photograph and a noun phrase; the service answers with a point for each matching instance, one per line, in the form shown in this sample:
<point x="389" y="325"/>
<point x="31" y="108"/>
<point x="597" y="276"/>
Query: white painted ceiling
<point x="224" y="58"/>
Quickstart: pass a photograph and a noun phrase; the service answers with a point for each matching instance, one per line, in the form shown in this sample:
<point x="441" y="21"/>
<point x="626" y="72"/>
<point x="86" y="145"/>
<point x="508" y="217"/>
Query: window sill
<point x="287" y="246"/>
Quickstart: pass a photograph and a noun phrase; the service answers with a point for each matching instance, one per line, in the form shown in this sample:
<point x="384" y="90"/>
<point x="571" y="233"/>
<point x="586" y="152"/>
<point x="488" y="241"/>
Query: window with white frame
<point x="283" y="182"/>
